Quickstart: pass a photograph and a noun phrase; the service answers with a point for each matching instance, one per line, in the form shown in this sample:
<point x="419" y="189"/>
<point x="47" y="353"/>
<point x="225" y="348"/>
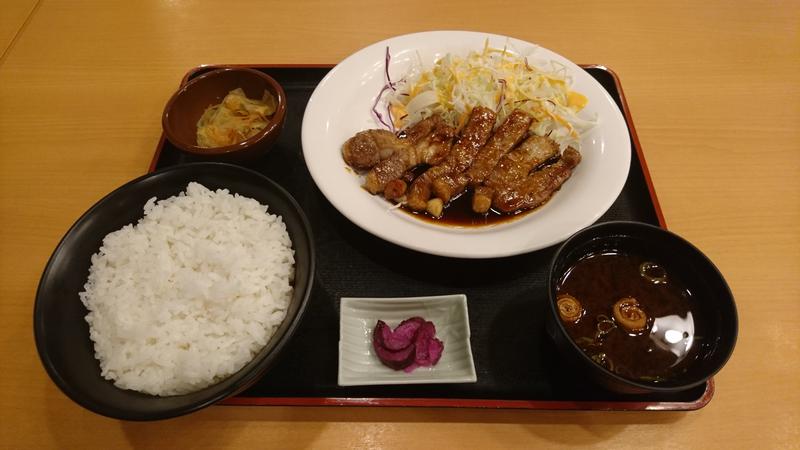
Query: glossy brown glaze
<point x="474" y="135"/>
<point x="459" y="213"/>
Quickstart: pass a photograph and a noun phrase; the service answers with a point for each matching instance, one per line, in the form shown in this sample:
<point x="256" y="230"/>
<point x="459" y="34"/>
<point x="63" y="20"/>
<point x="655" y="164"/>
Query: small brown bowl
<point x="186" y="106"/>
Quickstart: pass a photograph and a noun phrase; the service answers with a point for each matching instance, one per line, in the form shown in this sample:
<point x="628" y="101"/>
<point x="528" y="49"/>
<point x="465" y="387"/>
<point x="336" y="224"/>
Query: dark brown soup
<point x="659" y="346"/>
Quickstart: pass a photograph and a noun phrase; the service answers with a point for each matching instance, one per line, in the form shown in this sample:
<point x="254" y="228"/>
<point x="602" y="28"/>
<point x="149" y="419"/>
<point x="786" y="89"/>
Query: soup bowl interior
<point x="711" y="297"/>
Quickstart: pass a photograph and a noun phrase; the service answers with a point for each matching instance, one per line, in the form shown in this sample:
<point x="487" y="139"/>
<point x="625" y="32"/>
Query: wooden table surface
<point x="12" y="21"/>
<point x="714" y="88"/>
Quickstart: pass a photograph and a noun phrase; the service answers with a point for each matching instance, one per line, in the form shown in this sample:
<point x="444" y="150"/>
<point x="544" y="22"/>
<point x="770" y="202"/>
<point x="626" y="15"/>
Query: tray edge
<point x="555" y="405"/>
<point x="704" y="399"/>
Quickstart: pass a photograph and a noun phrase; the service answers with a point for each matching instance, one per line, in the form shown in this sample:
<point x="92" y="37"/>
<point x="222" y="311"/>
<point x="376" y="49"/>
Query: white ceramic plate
<point x="341" y="106"/>
<point x="358" y="365"/>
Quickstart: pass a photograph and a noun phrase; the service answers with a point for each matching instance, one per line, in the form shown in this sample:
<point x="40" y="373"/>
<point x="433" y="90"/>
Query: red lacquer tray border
<point x="471" y="402"/>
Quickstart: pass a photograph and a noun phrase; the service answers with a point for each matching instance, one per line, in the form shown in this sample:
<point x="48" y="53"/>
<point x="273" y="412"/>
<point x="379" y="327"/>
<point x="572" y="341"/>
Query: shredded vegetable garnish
<point x="388" y="85"/>
<point x="493" y="78"/>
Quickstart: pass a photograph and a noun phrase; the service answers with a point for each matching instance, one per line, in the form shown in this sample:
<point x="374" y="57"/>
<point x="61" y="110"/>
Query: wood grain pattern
<point x="715" y="93"/>
<point x="15" y="14"/>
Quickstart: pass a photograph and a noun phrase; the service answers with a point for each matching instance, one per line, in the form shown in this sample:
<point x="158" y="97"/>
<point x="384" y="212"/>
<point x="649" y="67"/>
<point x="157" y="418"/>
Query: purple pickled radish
<point x="395" y="359"/>
<point x="402" y="336"/>
<point x="429" y="349"/>
<point x="426" y="332"/>
<point x="416" y="319"/>
<point x="435" y="350"/>
<point x="433" y="347"/>
<point x="410" y="345"/>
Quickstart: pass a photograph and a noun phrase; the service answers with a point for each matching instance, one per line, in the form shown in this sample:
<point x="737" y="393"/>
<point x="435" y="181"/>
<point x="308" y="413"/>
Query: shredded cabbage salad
<point x="493" y="78"/>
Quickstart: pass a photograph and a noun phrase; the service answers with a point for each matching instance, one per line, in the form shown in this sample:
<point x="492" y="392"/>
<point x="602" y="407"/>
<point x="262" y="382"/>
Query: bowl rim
<point x="612" y="225"/>
<point x="247" y="380"/>
<point x="273" y="126"/>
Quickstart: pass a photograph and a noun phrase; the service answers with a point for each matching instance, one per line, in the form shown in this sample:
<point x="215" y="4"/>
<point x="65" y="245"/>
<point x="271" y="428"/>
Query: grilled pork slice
<point x="369" y="147"/>
<point x="473" y="137"/>
<point x="388" y="170"/>
<point x="430" y="141"/>
<point x="512" y="169"/>
<point x="538" y="186"/>
<point x="448" y="187"/>
<point x="507" y="136"/>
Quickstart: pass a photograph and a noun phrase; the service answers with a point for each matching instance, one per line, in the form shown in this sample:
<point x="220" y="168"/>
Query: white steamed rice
<point x="190" y="294"/>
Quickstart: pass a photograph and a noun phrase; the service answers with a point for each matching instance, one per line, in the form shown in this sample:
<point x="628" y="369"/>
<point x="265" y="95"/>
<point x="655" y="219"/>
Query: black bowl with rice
<point x="184" y="306"/>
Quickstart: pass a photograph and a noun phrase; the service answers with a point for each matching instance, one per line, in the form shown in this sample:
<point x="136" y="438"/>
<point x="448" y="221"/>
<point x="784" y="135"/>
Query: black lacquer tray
<point x="516" y="363"/>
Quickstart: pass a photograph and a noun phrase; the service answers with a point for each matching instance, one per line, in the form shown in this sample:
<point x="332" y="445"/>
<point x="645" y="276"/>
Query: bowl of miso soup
<point x="639" y="309"/>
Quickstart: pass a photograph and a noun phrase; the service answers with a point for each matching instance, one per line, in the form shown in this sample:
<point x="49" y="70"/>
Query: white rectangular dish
<point x="358" y="364"/>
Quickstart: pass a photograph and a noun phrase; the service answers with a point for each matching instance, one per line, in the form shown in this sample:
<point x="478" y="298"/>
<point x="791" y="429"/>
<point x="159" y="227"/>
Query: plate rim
<point x="465" y="251"/>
